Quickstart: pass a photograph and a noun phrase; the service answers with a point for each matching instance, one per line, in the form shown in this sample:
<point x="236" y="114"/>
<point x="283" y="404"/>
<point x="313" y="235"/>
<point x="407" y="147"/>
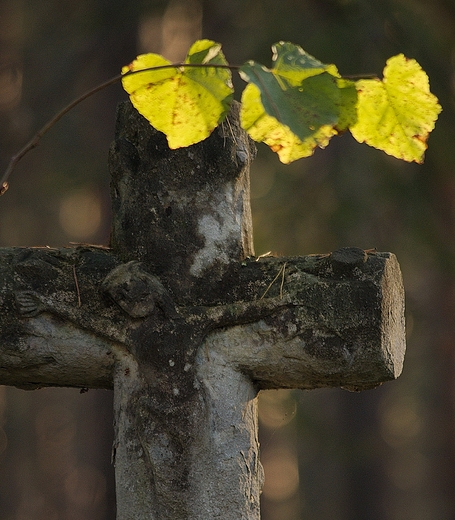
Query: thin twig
<point x="371" y="75"/>
<point x="273" y="281"/>
<point x="264" y="255"/>
<point x="43" y="247"/>
<point x="230" y="130"/>
<point x="85" y="244"/>
<point x="79" y="303"/>
<point x="34" y="141"/>
<point x="282" y="281"/>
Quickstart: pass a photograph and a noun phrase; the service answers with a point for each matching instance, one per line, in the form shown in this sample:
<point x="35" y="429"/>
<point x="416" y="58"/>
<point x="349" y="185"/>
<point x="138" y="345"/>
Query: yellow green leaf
<point x="185" y="103"/>
<point x="293" y="63"/>
<point x="301" y="103"/>
<point x="135" y="82"/>
<point x="397" y="114"/>
<point x="265" y="128"/>
<point x="299" y="92"/>
<point x="348" y="105"/>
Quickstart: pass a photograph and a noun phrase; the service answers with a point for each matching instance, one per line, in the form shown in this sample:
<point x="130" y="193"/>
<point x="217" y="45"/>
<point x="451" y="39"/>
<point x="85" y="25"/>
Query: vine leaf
<point x="294" y="107"/>
<point x="279" y="137"/>
<point x="297" y="105"/>
<point x="397" y="114"/>
<point x="185" y="103"/>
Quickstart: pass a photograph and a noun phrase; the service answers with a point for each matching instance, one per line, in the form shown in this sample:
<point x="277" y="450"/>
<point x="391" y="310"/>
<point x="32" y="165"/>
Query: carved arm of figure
<point x="137" y="293"/>
<point x="31" y="304"/>
<point x="142" y="297"/>
<point x="246" y="312"/>
<point x="141" y="294"/>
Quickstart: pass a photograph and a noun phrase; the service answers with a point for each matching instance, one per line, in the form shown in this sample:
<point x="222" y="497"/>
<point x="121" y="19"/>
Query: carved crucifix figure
<point x="187" y="326"/>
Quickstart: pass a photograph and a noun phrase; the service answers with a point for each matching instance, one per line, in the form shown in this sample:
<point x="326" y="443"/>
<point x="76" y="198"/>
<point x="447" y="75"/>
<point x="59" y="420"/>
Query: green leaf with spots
<point x="292" y="62"/>
<point x="297" y="105"/>
<point x="397" y="114"/>
<point x="279" y="137"/>
<point x="185" y="103"/>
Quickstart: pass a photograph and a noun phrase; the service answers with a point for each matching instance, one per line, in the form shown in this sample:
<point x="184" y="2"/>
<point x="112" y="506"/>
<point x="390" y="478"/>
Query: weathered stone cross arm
<point x="325" y="320"/>
<point x="186" y="325"/>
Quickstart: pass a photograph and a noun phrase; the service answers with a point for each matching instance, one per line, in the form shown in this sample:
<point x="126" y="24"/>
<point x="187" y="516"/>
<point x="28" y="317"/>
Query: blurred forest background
<point x="385" y="454"/>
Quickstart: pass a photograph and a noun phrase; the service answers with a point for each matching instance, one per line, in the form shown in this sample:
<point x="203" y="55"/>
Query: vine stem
<point x="34" y="141"/>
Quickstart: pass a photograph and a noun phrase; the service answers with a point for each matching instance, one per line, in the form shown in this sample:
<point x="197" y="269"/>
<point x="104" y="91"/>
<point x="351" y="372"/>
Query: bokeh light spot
<point x="281" y="475"/>
<point x="80" y="214"/>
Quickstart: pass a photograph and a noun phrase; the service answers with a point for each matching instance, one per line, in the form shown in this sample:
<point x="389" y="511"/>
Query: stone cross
<point x="180" y="319"/>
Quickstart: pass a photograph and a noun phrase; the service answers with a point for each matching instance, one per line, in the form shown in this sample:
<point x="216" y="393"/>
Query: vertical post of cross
<point x="186" y="215"/>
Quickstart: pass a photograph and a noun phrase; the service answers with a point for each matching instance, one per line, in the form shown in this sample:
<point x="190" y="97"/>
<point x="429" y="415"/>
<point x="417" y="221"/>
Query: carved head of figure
<point x="132" y="289"/>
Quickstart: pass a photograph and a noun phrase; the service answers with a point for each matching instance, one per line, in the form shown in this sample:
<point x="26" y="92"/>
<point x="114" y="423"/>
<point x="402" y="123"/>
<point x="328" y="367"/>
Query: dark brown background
<point x="386" y="454"/>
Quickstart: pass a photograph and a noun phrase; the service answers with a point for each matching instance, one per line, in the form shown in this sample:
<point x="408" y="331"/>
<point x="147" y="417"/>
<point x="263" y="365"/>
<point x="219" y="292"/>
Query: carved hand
<point x="29" y="304"/>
